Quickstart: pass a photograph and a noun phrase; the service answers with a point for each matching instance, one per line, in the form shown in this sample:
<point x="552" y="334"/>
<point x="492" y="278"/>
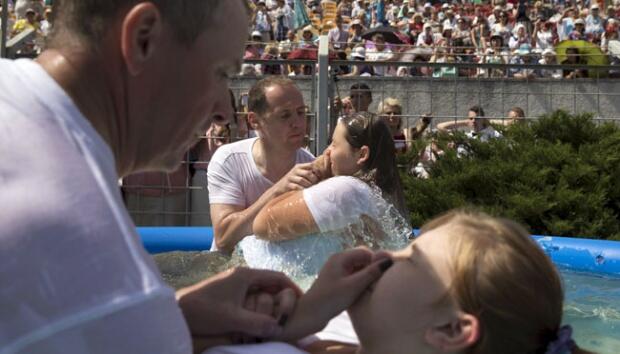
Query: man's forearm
<point x="235" y="226"/>
<point x="306" y="320"/>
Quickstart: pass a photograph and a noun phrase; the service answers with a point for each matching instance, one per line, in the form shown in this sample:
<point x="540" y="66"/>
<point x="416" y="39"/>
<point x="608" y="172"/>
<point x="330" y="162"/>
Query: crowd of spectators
<point x="459" y="31"/>
<point x="33" y="15"/>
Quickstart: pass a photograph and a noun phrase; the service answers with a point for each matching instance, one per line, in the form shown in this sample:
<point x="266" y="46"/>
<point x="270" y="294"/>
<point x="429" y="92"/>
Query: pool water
<point x="592" y="307"/>
<point x="592" y="303"/>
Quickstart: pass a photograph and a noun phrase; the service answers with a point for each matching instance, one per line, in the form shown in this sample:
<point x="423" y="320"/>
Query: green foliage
<point x="559" y="175"/>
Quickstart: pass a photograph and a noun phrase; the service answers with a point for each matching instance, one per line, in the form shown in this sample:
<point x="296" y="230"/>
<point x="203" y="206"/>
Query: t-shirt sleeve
<point x="339" y="201"/>
<point x="222" y="182"/>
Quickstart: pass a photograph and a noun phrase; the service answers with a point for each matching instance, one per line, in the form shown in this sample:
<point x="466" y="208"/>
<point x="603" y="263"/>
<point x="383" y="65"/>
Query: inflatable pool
<point x="576" y="254"/>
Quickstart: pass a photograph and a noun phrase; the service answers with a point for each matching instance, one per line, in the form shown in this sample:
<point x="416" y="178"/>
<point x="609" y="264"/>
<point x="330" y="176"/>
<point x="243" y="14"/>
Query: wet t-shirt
<point x="74" y="276"/>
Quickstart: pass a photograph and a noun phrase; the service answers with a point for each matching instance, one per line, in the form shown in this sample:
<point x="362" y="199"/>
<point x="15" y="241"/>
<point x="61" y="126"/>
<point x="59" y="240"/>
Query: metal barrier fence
<point x="181" y="198"/>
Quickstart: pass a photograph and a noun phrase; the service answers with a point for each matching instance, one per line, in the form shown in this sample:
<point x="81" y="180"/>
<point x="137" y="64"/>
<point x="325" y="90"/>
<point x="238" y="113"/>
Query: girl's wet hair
<point x="501" y="276"/>
<point x="366" y="129"/>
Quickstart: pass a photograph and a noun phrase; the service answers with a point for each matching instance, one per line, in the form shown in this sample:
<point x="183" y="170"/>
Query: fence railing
<point x="181" y="199"/>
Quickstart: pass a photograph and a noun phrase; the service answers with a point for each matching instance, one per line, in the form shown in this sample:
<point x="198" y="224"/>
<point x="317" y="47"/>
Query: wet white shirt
<point x="335" y="204"/>
<point x="74" y="277"/>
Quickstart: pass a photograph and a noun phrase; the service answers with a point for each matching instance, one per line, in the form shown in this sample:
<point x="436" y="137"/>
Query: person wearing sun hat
<point x="427" y="38"/>
<point x="594" y="22"/>
<point x="579" y="32"/>
<point x="494" y="17"/>
<point x="549" y="57"/>
<point x="427" y="11"/>
<point x="29" y="22"/>
<point x="521" y="57"/>
<point x="355" y="33"/>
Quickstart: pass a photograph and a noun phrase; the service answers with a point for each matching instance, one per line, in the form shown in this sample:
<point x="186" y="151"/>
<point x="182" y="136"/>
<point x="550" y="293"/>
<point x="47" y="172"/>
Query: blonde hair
<point x="391" y="102"/>
<point x="504" y="279"/>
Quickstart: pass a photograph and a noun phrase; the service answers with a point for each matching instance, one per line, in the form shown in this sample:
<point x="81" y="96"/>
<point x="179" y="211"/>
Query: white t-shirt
<point x="234" y="178"/>
<point x="335" y="204"/>
<point x="339" y="329"/>
<point x="75" y="277"/>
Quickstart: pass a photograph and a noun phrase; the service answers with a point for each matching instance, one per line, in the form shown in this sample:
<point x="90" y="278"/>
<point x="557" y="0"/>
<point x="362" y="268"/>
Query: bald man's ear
<point x="253" y="120"/>
<point x="463" y="331"/>
<point x="141" y="33"/>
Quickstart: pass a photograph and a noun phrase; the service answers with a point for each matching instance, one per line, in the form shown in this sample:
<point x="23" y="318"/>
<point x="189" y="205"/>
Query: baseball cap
<point x="428" y="4"/>
<point x="548" y="51"/>
<point x="524" y="49"/>
<point x="30" y="10"/>
<point x="256" y="34"/>
<point x="358" y="53"/>
<point x="427" y="25"/>
<point x="580" y="21"/>
<point x="594" y="6"/>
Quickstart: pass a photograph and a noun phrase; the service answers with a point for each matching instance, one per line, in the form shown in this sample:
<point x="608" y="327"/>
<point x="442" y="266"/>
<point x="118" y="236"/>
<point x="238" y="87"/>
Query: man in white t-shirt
<point x="245" y="175"/>
<point x="124" y="87"/>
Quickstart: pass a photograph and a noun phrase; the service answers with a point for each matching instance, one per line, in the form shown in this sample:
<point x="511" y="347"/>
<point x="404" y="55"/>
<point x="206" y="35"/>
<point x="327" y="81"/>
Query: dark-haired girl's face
<point x="345" y="159"/>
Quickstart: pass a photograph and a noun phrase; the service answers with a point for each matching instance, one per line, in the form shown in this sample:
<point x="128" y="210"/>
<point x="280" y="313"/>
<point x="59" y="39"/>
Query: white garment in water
<point x="74" y="276"/>
<point x="339" y="329"/>
<point x="335" y="204"/>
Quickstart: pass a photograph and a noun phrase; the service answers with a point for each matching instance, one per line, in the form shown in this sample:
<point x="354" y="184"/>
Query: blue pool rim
<point x="598" y="257"/>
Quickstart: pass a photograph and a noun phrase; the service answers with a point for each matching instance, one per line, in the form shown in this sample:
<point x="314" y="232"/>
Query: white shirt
<point x="233" y="177"/>
<point x="544" y="40"/>
<point x="375" y="55"/>
<point x="75" y="277"/>
<point x="335" y="204"/>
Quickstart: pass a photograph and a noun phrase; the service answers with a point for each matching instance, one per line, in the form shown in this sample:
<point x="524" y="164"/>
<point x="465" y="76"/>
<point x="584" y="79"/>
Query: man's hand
<point x="322" y="166"/>
<point x="344" y="277"/>
<point x="299" y="177"/>
<point x="217" y="306"/>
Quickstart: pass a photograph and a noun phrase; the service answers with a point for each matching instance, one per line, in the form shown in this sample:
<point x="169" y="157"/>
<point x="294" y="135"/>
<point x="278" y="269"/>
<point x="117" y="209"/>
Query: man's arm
<point x="447" y="126"/>
<point x="214" y="308"/>
<point x="231" y="223"/>
<point x="343" y="278"/>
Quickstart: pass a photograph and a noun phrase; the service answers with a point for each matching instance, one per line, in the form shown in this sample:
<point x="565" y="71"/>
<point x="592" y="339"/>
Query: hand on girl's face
<point x="344" y="277"/>
<point x="322" y="166"/>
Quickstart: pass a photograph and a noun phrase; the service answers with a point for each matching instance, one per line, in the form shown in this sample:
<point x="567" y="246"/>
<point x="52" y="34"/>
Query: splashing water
<point x="302" y="258"/>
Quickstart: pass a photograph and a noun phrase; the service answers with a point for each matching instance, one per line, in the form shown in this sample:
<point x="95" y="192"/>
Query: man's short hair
<point x="361" y="87"/>
<point x="478" y="110"/>
<point x="257" y="100"/>
<point x="88" y="20"/>
<point x="518" y="111"/>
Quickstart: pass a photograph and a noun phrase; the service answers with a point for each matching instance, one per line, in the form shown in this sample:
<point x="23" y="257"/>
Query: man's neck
<point x="273" y="162"/>
<point x="83" y="79"/>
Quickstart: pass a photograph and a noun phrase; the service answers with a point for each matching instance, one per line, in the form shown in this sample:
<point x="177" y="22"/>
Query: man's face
<point x="379" y="43"/>
<point x="360" y="99"/>
<point x="190" y="81"/>
<point x="283" y="124"/>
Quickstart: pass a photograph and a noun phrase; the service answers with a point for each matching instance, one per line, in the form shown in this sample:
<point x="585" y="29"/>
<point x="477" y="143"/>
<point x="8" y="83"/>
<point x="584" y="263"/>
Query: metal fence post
<point x="322" y="101"/>
<point x="5" y="20"/>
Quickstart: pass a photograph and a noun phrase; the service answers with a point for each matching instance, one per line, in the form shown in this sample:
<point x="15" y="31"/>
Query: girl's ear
<point x="460" y="333"/>
<point x="364" y="155"/>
